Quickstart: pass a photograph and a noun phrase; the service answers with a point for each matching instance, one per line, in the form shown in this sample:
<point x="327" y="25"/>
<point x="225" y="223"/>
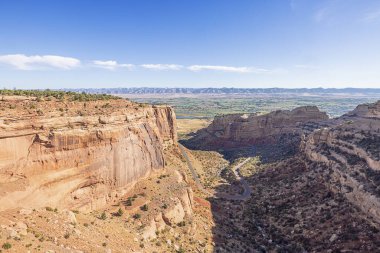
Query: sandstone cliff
<point x="276" y="130"/>
<point x="324" y="198"/>
<point x="78" y="154"/>
<point x="347" y="157"/>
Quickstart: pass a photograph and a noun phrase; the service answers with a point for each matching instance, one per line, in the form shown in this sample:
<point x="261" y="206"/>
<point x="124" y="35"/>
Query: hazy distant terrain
<point x="150" y="90"/>
<point x="208" y="102"/>
<point x="209" y="105"/>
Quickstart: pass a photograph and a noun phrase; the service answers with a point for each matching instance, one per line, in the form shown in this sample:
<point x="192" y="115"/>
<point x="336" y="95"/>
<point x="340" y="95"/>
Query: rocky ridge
<point x="280" y="131"/>
<point x="347" y="156"/>
<point x="324" y="198"/>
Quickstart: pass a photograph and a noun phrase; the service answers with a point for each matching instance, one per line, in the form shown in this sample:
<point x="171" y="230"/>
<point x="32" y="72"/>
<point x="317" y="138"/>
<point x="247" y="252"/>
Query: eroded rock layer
<point x="280" y="130"/>
<point x="348" y="157"/>
<point x="78" y="154"/>
<point x="325" y="198"/>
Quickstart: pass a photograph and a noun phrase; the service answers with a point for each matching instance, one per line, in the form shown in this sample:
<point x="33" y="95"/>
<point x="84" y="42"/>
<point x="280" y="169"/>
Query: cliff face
<point x="251" y="130"/>
<point x="347" y="157"/>
<point x="78" y="154"/>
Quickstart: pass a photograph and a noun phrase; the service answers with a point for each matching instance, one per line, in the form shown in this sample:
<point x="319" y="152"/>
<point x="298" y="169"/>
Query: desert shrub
<point x="181" y="224"/>
<point x="120" y="212"/>
<point x="129" y="202"/>
<point x="144" y="207"/>
<point x="103" y="216"/>
<point x="7" y="245"/>
<point x="181" y="250"/>
<point x="136" y="216"/>
<point x="59" y="95"/>
<point x="40" y="112"/>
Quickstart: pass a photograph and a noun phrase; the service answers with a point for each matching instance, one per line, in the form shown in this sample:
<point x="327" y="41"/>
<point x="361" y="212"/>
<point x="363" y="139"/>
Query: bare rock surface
<point x="279" y="129"/>
<point x="78" y="154"/>
<point x="348" y="157"/>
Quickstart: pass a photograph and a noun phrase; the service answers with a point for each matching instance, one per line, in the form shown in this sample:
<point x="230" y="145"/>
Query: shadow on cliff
<point x="285" y="147"/>
<point x="290" y="209"/>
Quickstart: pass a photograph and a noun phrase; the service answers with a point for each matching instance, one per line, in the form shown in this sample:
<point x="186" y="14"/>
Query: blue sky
<point x="184" y="43"/>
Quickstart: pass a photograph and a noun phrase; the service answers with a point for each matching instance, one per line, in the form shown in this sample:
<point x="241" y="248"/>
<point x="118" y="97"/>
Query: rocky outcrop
<point x="246" y="130"/>
<point x="347" y="156"/>
<point x="78" y="154"/>
<point x="181" y="207"/>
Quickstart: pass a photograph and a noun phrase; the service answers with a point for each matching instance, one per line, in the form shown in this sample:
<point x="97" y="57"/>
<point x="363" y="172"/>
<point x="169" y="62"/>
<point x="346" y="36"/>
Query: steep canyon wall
<point x="78" y="154"/>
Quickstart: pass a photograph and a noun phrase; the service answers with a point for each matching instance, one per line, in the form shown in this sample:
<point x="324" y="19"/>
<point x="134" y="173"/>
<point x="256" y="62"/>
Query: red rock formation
<point x="247" y="130"/>
<point x="347" y="156"/>
<point x="80" y="156"/>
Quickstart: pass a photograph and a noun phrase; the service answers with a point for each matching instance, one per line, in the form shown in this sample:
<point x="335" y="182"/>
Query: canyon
<point x="347" y="157"/>
<point x="104" y="174"/>
<point x="274" y="133"/>
<point x="72" y="163"/>
<point x="322" y="198"/>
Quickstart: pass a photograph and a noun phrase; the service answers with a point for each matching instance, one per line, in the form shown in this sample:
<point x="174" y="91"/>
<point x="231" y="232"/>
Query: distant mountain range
<point x="147" y="90"/>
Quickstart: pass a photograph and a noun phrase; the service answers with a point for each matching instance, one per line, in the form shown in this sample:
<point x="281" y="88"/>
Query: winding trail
<point x="236" y="170"/>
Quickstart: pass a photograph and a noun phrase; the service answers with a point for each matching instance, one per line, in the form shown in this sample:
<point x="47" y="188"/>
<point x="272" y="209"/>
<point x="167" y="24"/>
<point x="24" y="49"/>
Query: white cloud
<point x="197" y="68"/>
<point x="111" y="65"/>
<point x="305" y="66"/>
<point x="162" y="66"/>
<point x="24" y="62"/>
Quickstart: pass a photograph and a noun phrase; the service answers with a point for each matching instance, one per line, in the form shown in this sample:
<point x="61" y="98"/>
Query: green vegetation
<point x="181" y="250"/>
<point x="103" y="216"/>
<point x="207" y="106"/>
<point x="120" y="212"/>
<point x="144" y="207"/>
<point x="7" y="245"/>
<point x="181" y="224"/>
<point x="129" y="202"/>
<point x="60" y="95"/>
<point x="136" y="216"/>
